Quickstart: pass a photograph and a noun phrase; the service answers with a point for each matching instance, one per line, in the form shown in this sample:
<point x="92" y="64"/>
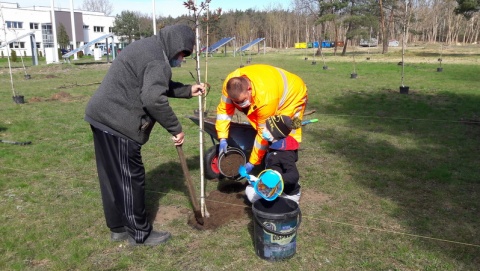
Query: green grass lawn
<point x="389" y="181"/>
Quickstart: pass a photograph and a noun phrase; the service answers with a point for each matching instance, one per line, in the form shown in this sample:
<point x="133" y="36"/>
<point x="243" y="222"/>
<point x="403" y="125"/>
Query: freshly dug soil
<point x="224" y="205"/>
<point x="230" y="162"/>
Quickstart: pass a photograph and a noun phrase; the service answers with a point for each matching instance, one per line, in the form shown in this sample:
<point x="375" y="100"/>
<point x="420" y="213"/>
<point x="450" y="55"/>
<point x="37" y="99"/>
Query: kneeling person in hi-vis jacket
<point x="260" y="91"/>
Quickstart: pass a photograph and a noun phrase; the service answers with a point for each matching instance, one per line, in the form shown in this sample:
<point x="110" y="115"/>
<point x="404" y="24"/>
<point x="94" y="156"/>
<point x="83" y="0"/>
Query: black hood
<point x="177" y="38"/>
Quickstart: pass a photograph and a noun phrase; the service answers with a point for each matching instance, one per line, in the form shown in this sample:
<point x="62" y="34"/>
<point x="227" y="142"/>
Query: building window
<point x="110" y="30"/>
<point x="34" y="26"/>
<point x="38" y="45"/>
<point x="14" y="25"/>
<point x="47" y="35"/>
<point x="85" y="27"/>
<point x="17" y="45"/>
<point x="98" y="29"/>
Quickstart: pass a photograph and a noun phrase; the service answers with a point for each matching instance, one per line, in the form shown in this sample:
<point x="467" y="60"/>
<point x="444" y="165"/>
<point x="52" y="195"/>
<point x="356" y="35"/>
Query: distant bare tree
<point x="144" y="24"/>
<point x="98" y="5"/>
<point x="428" y="21"/>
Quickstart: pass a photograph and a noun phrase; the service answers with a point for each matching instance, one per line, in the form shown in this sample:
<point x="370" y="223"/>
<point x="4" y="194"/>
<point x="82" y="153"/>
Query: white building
<point x="20" y="21"/>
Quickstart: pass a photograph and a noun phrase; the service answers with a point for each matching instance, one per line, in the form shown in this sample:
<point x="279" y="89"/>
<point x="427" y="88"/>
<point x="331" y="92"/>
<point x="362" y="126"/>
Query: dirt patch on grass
<point x="39" y="263"/>
<point x="310" y="197"/>
<point x="227" y="205"/>
<point x="61" y="96"/>
<point x="167" y="213"/>
<point x="35" y="100"/>
<point x="224" y="206"/>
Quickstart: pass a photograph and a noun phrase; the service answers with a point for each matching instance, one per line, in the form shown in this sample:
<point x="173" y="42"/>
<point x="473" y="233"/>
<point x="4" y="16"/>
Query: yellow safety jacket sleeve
<point x="274" y="92"/>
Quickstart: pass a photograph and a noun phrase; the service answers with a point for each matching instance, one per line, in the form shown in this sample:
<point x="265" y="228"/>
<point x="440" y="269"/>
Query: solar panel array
<point x="219" y="44"/>
<point x="86" y="45"/>
<point x="250" y="44"/>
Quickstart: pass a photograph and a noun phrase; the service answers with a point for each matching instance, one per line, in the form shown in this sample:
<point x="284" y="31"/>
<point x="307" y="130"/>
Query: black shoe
<point x="155" y="238"/>
<point x="118" y="236"/>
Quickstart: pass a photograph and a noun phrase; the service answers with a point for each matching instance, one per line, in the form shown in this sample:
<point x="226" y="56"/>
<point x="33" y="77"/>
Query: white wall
<point x="26" y="17"/>
<point x="41" y="15"/>
<point x="93" y="20"/>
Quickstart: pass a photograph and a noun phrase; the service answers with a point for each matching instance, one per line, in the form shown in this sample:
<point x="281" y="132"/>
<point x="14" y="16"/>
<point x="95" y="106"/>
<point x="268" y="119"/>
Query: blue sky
<point x="164" y="7"/>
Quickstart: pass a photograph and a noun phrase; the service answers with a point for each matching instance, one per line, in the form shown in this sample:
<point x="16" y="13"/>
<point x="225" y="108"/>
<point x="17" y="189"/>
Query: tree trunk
<point x="407" y="20"/>
<point x="433" y="37"/>
<point x="382" y="29"/>
<point x="387" y="29"/>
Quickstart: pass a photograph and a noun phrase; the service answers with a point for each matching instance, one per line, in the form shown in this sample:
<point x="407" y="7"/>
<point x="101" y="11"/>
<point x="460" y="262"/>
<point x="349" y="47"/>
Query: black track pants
<point x="122" y="183"/>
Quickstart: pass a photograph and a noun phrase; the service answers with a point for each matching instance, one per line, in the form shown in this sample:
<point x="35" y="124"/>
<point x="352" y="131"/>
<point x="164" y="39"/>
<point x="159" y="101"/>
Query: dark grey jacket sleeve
<point x="155" y="92"/>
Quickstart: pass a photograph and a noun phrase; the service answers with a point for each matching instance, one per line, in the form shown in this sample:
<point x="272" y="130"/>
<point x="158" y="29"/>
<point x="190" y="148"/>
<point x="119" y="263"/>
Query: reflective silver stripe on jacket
<point x="285" y="89"/>
<point x="224" y="117"/>
<point x="298" y="111"/>
<point x="226" y="100"/>
<point x="260" y="146"/>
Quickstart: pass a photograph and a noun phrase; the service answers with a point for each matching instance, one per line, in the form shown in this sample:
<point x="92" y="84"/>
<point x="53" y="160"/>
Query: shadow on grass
<point x="468" y="73"/>
<point x="419" y="152"/>
<point x="91" y="63"/>
<point x="443" y="54"/>
<point x="165" y="178"/>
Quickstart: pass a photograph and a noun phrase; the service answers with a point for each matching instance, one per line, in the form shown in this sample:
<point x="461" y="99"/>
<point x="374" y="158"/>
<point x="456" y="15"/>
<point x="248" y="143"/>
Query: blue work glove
<point x="242" y="170"/>
<point x="248" y="167"/>
<point x="223" y="146"/>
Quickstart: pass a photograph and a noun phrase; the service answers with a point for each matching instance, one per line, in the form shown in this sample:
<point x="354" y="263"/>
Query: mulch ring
<point x="224" y="205"/>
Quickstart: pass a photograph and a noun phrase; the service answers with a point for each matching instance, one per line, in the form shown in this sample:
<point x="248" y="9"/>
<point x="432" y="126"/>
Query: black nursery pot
<point x="19" y="99"/>
<point x="404" y="90"/>
<point x="439" y="69"/>
<point x="353" y="75"/>
<point x="314" y="62"/>
<point x="27" y="76"/>
<point x="368" y="58"/>
<point x="325" y="67"/>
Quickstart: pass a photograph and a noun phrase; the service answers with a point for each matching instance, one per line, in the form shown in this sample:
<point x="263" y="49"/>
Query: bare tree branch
<point x="98" y="5"/>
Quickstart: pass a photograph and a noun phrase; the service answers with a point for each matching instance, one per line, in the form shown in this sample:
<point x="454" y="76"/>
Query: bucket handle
<point x="299" y="221"/>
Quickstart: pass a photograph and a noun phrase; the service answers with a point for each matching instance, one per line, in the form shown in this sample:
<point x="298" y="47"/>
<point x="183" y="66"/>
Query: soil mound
<point x="224" y="205"/>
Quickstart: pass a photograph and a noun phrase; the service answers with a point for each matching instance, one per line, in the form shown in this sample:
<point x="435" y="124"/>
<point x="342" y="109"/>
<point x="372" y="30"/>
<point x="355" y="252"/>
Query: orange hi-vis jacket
<point x="274" y="92"/>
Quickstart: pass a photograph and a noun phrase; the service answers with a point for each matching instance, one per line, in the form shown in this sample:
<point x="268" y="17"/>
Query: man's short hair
<point x="236" y="86"/>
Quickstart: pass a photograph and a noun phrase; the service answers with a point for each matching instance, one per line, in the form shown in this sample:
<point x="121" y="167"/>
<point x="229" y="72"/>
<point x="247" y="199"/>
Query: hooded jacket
<point x="134" y="93"/>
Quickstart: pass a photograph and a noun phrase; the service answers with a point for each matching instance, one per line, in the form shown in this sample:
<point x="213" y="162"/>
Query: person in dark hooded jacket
<point x="132" y="97"/>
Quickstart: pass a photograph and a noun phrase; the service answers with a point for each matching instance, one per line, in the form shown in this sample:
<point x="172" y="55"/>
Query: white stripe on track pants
<point x="122" y="183"/>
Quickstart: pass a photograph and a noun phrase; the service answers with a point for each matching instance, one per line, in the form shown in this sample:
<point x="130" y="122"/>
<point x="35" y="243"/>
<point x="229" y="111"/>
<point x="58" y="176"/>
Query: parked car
<point x="393" y="43"/>
<point x="373" y="42"/>
<point x="102" y="50"/>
